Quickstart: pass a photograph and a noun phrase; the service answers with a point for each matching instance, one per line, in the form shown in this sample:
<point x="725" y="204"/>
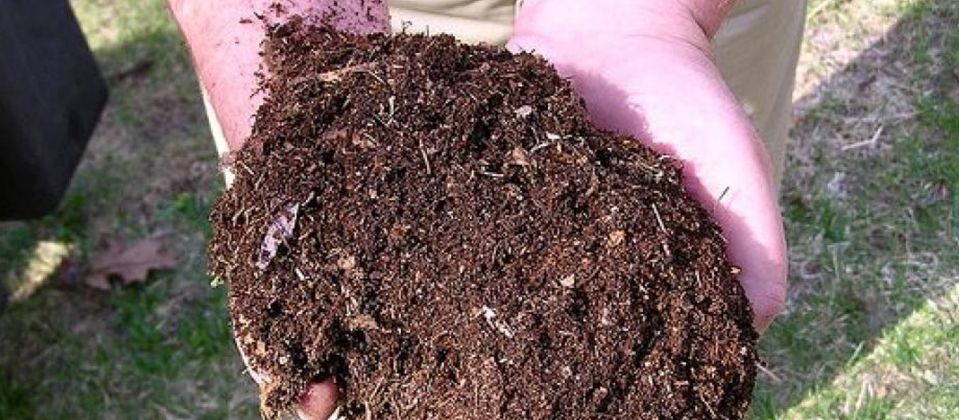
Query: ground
<point x="871" y="199"/>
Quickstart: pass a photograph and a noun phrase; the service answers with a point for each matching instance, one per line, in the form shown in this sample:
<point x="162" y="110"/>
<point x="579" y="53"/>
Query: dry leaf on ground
<point x="131" y="264"/>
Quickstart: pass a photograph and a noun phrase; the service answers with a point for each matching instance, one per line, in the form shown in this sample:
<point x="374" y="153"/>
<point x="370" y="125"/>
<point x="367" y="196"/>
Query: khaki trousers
<point x="757" y="49"/>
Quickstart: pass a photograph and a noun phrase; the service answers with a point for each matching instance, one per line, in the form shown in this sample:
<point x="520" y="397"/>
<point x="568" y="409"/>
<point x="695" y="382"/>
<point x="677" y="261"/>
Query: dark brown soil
<point x="457" y="241"/>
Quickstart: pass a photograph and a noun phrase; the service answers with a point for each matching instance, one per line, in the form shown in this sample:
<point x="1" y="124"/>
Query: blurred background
<point x="871" y="200"/>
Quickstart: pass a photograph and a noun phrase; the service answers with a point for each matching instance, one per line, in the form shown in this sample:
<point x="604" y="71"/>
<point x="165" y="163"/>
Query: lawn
<point x="871" y="199"/>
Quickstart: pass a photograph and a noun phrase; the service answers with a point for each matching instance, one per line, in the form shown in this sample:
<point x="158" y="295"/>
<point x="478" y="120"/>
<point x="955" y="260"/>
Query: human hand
<point x="633" y="81"/>
<point x="645" y="68"/>
<point x="224" y="37"/>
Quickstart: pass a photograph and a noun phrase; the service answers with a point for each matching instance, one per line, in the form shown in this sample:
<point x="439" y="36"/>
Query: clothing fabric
<point x="51" y="95"/>
<point x="757" y="50"/>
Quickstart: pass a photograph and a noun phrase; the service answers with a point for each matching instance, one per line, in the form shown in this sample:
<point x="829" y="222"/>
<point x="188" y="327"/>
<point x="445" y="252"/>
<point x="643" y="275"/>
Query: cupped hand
<point x="645" y="69"/>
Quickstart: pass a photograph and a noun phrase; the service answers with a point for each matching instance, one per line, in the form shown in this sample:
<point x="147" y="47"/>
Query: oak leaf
<point x="130" y="264"/>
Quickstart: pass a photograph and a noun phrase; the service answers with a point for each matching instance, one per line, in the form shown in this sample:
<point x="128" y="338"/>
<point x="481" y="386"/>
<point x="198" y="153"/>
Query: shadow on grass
<point x="870" y="223"/>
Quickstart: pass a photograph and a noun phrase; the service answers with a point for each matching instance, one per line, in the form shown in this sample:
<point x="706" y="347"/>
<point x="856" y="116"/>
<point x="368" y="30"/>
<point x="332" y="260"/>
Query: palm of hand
<point x="670" y="95"/>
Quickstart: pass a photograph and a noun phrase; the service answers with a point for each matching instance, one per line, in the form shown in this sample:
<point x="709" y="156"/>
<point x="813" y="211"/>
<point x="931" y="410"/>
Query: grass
<point x="871" y="329"/>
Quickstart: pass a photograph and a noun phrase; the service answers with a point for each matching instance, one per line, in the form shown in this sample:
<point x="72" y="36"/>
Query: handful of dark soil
<point x="441" y="229"/>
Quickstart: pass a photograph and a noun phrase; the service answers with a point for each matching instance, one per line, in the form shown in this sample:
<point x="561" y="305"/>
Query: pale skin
<point x="644" y="67"/>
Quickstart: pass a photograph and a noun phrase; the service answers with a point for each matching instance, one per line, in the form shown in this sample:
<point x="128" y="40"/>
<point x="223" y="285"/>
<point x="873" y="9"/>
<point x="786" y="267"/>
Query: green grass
<point x="871" y="330"/>
<point x="15" y="401"/>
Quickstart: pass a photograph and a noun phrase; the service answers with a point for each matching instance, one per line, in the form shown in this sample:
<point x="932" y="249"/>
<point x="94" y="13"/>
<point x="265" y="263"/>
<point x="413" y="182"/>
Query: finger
<point x="766" y="296"/>
<point x="319" y="401"/>
<point x="766" y="308"/>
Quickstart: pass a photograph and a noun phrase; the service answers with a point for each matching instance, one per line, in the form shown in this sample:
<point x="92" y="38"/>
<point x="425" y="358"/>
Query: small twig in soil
<point x="659" y="219"/>
<point x="332" y="76"/>
<point x="375" y="76"/>
<point x="540" y="146"/>
<point x="371" y="139"/>
<point x="392" y="103"/>
<point x="246" y="168"/>
<point x="383" y="123"/>
<point x="491" y="174"/>
<point x="429" y="170"/>
<point x="708" y="407"/>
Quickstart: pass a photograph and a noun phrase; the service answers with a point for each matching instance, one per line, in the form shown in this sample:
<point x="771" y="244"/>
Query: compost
<point x="441" y="229"/>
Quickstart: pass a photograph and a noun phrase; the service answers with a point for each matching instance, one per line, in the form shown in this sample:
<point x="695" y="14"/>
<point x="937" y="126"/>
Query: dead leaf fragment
<point x="363" y="322"/>
<point x="520" y="156"/>
<point x="523" y="111"/>
<point x="130" y="264"/>
<point x="398" y="231"/>
<point x="336" y="75"/>
<point x="568" y="281"/>
<point x="615" y="239"/>
<point x="346" y="262"/>
<point x="281" y="229"/>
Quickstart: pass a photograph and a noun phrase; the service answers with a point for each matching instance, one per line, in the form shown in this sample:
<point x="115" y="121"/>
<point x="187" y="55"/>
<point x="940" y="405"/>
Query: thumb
<point x="319" y="401"/>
